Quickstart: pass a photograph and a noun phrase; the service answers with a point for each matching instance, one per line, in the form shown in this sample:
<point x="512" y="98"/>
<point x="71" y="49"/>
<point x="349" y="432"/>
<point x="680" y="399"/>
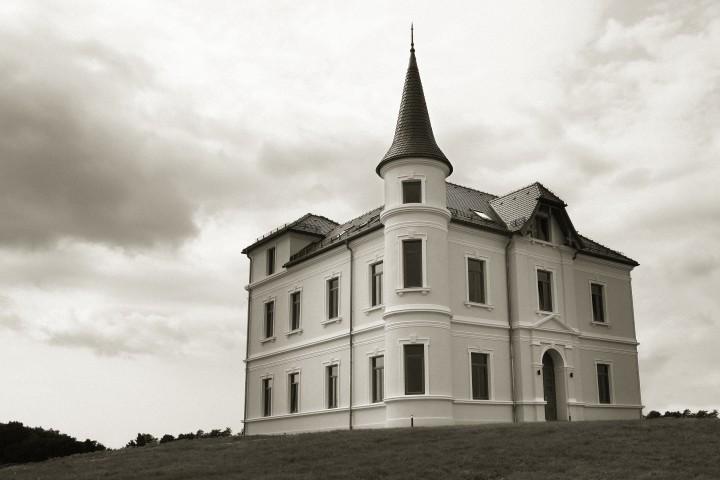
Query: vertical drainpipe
<point x="247" y="347"/>
<point x="511" y="349"/>
<point x="350" y="335"/>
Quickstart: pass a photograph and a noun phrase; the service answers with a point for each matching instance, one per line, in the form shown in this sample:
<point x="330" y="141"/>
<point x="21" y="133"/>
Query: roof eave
<point x="332" y="245"/>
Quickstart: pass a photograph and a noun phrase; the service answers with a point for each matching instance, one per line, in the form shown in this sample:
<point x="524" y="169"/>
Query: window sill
<point x="297" y="331"/>
<point x="600" y="324"/>
<point x="486" y="306"/>
<point x="545" y="243"/>
<point x="331" y="320"/>
<point x="369" y="310"/>
<point x="543" y="313"/>
<point x="268" y="339"/>
<point x="403" y="291"/>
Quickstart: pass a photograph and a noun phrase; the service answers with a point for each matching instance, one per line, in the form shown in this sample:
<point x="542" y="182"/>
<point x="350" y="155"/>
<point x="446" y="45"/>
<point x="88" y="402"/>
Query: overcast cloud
<point x="144" y="144"/>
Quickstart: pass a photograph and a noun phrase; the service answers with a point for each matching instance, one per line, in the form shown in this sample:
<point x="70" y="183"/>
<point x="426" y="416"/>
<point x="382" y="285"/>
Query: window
<point x="333" y="289"/>
<point x="294" y="311"/>
<point x="545" y="301"/>
<point x="269" y="319"/>
<point x="415" y="369"/>
<point x="479" y="376"/>
<point x="483" y="215"/>
<point x="412" y="191"/>
<point x="378" y="378"/>
<point x="603" y="378"/>
<point x="376" y="277"/>
<point x="597" y="296"/>
<point x="476" y="280"/>
<point x="332" y="386"/>
<point x="541" y="229"/>
<point x="294" y="388"/>
<point x="270" y="259"/>
<point x="412" y="263"/>
<point x="267" y="396"/>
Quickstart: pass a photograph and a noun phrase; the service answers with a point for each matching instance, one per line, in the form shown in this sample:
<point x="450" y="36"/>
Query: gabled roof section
<point x="516" y="208"/>
<point x="309" y="223"/>
<point x="358" y="226"/>
<point x="413" y="133"/>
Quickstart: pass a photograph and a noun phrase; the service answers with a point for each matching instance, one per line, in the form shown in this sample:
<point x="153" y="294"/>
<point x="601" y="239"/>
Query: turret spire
<point x="413" y="132"/>
<point x="412" y="40"/>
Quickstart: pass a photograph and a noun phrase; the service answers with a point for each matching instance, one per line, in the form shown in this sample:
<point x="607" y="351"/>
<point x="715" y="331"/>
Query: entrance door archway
<point x="555" y="386"/>
<point x="549" y="388"/>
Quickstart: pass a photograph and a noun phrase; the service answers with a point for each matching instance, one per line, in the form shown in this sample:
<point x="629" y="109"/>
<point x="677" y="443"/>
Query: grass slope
<point x="657" y="449"/>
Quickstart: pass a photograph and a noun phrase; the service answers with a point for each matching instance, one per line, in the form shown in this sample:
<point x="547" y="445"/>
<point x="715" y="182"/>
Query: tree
<point x="20" y="444"/>
<point x="653" y="414"/>
<point x="142" y="440"/>
<point x="167" y="438"/>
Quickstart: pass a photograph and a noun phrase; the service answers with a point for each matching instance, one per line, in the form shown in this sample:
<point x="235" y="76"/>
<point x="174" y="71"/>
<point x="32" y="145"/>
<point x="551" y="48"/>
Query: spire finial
<point x="412" y="39"/>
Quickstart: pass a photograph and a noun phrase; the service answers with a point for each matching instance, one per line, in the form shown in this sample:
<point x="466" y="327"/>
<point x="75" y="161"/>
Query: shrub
<point x="142" y="440"/>
<point x="167" y="438"/>
<point x="687" y="413"/>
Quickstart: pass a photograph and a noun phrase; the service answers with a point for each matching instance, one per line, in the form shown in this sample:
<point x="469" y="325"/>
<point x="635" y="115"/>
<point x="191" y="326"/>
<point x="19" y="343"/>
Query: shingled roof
<point x="468" y="207"/>
<point x="516" y="208"/>
<point x="309" y="223"/>
<point x="413" y="133"/>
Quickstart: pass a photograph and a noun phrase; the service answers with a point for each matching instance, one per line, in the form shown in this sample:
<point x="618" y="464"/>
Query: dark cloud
<point x="78" y="159"/>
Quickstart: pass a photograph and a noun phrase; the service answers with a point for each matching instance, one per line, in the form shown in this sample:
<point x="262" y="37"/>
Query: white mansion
<point x="446" y="305"/>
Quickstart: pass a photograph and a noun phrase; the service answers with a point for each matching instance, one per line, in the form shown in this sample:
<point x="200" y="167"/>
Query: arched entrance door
<point x="549" y="388"/>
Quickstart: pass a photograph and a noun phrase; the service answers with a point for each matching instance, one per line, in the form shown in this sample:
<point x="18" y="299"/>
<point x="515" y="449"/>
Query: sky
<point x="145" y="143"/>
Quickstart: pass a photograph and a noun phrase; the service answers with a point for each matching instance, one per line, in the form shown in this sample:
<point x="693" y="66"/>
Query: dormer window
<point x="412" y="191"/>
<point x="541" y="229"/>
<point x="270" y="261"/>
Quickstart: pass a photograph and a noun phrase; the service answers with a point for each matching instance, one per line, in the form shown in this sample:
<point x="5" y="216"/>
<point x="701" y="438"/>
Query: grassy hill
<point x="656" y="449"/>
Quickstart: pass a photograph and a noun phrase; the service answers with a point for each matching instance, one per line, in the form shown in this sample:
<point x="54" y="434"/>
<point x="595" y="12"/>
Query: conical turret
<point x="413" y="132"/>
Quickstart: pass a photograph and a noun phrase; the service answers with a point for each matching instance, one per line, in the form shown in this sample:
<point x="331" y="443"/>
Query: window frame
<point x="553" y="290"/>
<point x="400" y="288"/>
<point x="490" y="379"/>
<point x="290" y="374"/>
<point x="610" y="376"/>
<point x="291" y="311"/>
<point x="271" y="260"/>
<point x="486" y="278"/>
<point x="546" y="217"/>
<point x="372" y="287"/>
<point x="331" y="319"/>
<point x="410" y="178"/>
<point x="426" y="371"/>
<point x="328" y="366"/>
<point x="373" y="383"/>
<point x="603" y="285"/>
<point x="413" y="181"/>
<point x="267" y="337"/>
<point x="266" y="401"/>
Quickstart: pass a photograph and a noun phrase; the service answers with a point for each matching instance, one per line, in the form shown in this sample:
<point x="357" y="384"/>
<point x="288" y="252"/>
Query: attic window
<point x="482" y="215"/>
<point x="541" y="229"/>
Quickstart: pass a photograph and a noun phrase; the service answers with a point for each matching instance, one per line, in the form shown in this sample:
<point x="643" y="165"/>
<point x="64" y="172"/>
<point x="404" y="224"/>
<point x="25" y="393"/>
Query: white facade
<point x="523" y="346"/>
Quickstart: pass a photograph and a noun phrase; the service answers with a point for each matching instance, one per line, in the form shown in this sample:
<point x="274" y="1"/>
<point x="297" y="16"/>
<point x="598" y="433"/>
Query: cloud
<point x="130" y="332"/>
<point x="79" y="160"/>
